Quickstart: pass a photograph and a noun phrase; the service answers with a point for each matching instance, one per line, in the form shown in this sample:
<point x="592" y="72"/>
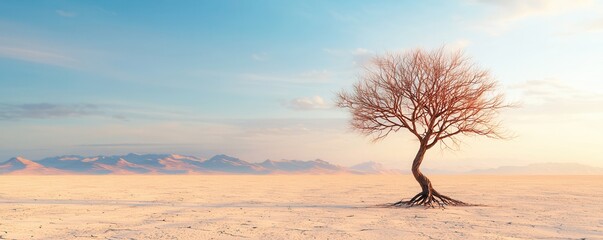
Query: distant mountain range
<point x="376" y="168"/>
<point x="177" y="164"/>
<point x="542" y="169"/>
<point x="223" y="164"/>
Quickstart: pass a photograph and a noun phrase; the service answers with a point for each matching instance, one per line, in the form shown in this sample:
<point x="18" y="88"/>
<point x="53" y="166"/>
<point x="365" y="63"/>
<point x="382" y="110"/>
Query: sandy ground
<point x="296" y="207"/>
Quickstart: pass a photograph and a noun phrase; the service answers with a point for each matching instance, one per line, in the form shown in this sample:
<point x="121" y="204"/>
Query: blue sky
<point x="256" y="79"/>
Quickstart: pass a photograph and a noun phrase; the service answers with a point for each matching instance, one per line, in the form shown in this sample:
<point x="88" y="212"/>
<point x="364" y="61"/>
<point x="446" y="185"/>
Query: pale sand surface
<point x="296" y="207"/>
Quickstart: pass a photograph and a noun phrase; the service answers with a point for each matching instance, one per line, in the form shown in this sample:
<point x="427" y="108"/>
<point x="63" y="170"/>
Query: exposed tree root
<point x="429" y="199"/>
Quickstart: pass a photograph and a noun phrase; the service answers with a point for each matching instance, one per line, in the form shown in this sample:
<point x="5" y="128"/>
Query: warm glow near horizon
<point x="257" y="80"/>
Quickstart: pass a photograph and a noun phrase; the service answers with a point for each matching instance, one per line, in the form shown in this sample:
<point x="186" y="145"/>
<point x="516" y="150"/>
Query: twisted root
<point x="429" y="199"/>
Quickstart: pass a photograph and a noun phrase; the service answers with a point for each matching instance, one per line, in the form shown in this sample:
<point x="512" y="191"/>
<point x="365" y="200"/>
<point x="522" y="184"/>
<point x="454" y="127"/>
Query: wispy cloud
<point x="307" y="103"/>
<point x="332" y="51"/>
<point x="460" y="44"/>
<point x="509" y="12"/>
<point x="361" y="51"/>
<point x="118" y="112"/>
<point x="64" y="13"/>
<point x="37" y="56"/>
<point x="260" y="57"/>
<point x="111" y="145"/>
<point x="594" y="25"/>
<point x="247" y="138"/>
<point x="307" y="77"/>
<point x="554" y="97"/>
<point x="591" y="25"/>
<point x="359" y="56"/>
<point x="46" y="110"/>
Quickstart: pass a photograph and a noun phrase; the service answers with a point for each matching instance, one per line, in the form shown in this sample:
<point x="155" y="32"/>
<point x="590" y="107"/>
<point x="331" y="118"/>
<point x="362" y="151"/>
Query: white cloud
<point x="64" y="13"/>
<point x="307" y="103"/>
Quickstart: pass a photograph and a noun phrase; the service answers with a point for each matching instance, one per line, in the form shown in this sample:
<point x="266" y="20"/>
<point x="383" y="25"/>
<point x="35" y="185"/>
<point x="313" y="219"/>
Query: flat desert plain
<point x="296" y="207"/>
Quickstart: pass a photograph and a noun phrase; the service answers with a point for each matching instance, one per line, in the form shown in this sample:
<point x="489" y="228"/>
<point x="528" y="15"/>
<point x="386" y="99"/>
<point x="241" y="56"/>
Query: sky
<point x="257" y="79"/>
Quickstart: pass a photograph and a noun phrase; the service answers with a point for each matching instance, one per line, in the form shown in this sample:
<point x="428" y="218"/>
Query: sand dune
<point x="296" y="207"/>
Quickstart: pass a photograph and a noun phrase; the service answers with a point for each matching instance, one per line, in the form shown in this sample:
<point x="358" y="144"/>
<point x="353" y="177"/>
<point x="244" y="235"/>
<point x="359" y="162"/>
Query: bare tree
<point x="436" y="96"/>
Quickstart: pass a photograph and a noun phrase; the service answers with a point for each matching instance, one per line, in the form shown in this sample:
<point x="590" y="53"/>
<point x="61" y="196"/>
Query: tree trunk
<point x="416" y="172"/>
<point x="428" y="195"/>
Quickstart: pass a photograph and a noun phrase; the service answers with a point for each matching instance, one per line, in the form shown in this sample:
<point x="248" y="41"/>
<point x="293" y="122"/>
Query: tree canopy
<point x="433" y="95"/>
